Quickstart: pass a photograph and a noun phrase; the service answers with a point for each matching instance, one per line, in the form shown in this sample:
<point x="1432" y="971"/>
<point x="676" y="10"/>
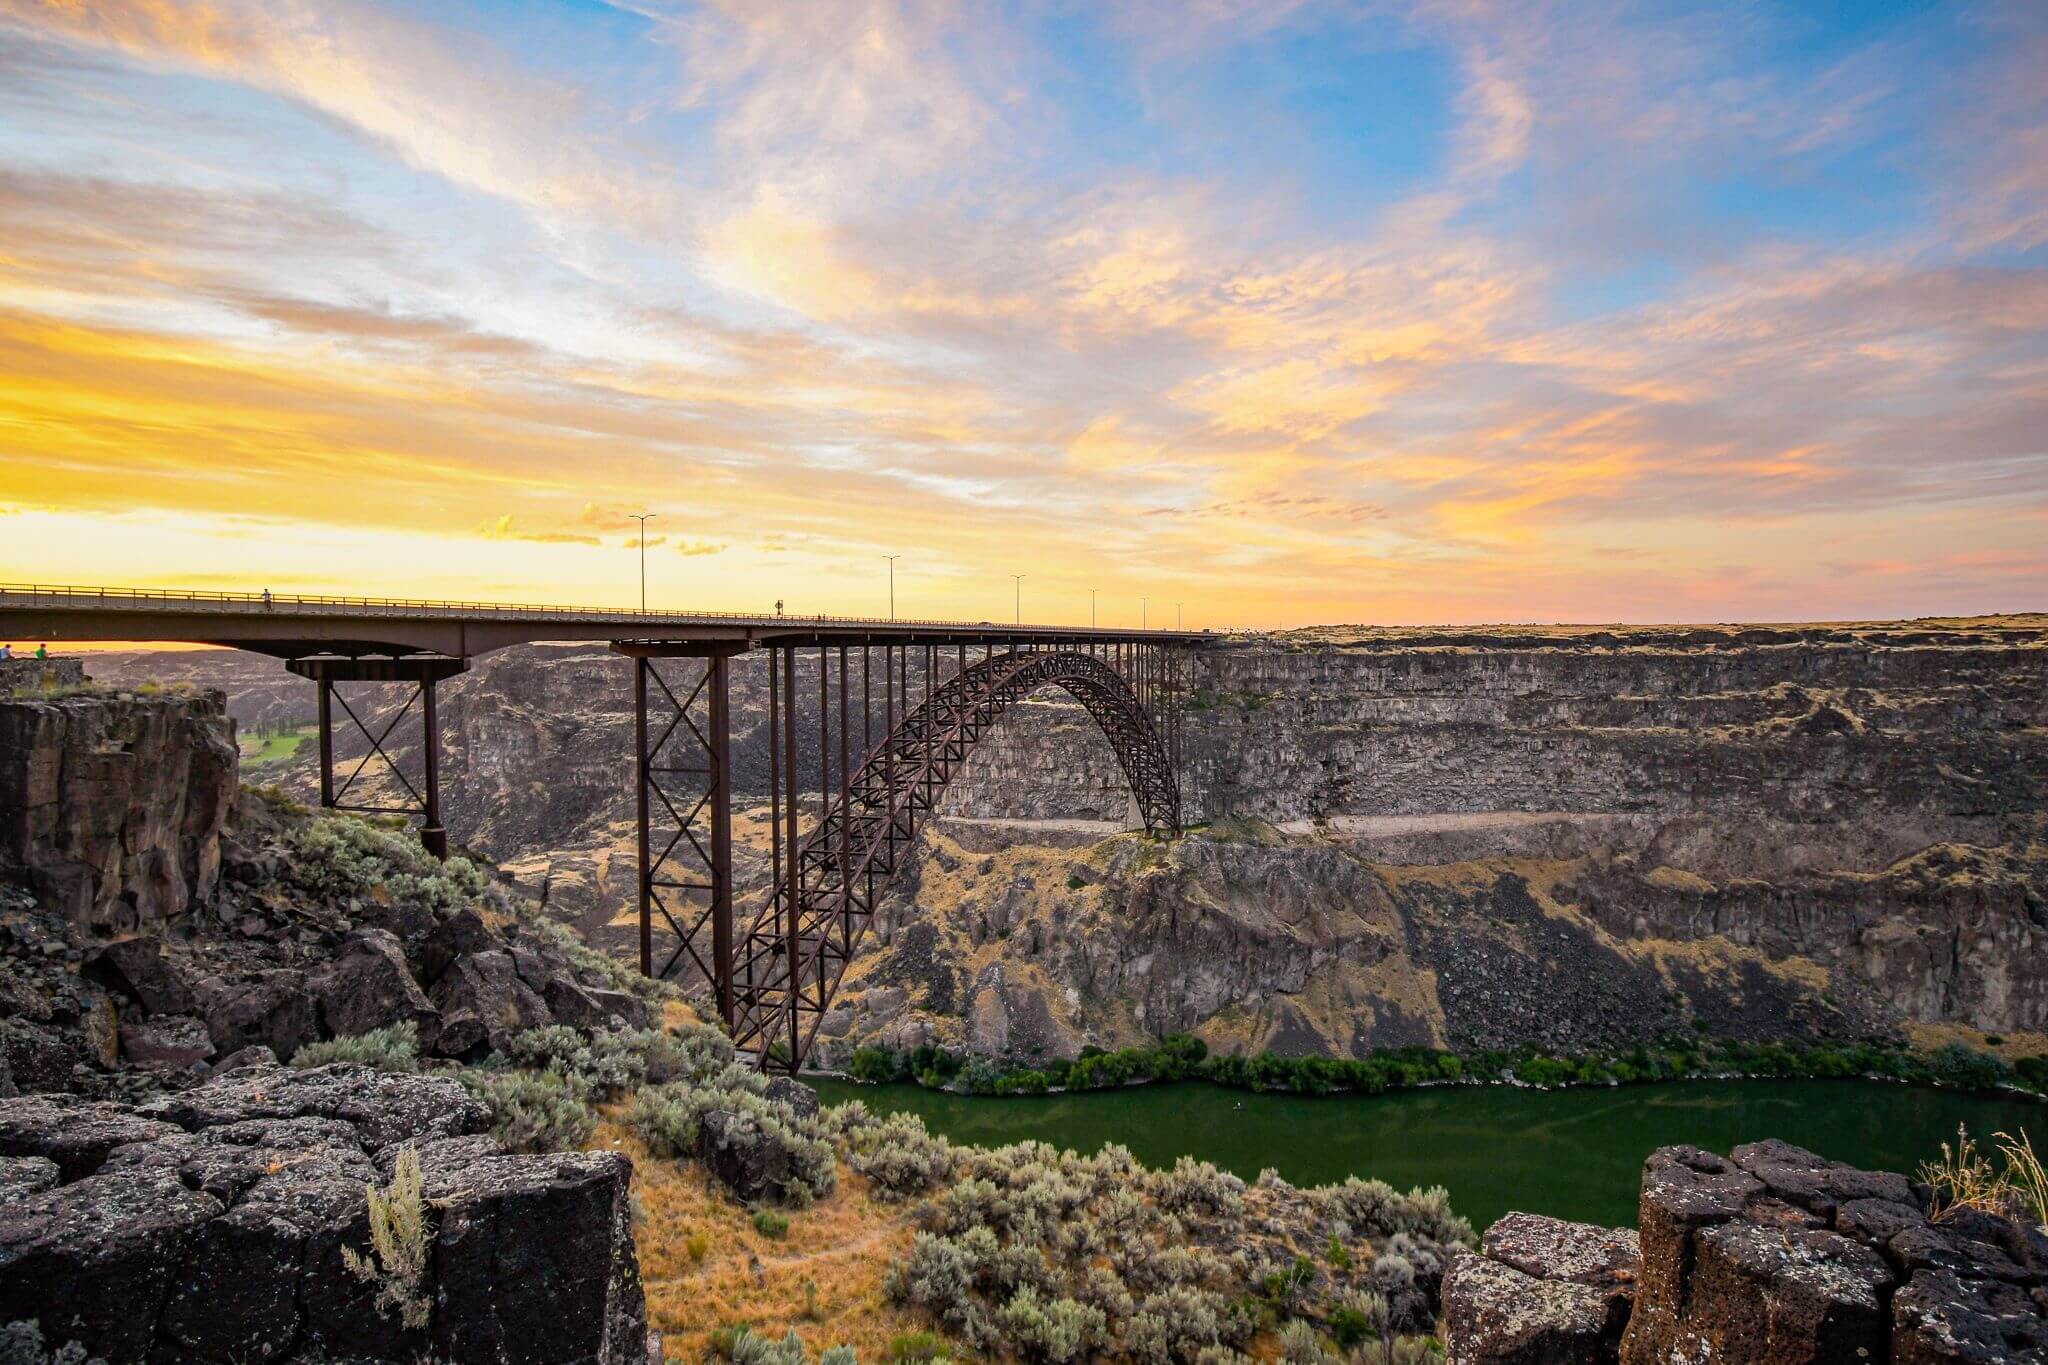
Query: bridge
<point x="900" y="707"/>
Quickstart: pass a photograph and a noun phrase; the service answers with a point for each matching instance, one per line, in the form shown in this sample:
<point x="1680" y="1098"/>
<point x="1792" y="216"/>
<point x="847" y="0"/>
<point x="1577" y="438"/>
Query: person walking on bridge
<point x="266" y="599"/>
<point x="42" y="651"/>
<point x="6" y="651"/>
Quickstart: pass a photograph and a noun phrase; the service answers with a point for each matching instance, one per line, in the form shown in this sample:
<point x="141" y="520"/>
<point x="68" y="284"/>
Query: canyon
<point x="1562" y="836"/>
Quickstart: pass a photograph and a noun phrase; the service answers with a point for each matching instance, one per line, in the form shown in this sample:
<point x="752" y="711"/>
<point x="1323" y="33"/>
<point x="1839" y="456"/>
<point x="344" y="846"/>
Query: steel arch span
<point x="789" y="962"/>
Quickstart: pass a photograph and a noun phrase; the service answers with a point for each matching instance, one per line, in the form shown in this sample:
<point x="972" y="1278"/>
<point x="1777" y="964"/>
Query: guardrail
<point x="175" y="599"/>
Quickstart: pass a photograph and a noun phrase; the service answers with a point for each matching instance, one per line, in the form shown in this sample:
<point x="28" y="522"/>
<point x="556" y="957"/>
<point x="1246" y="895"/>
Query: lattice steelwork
<point x="425" y="804"/>
<point x="684" y="807"/>
<point x="827" y="884"/>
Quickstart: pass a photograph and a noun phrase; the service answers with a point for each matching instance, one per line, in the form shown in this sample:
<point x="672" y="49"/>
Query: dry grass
<point x="1931" y="1037"/>
<point x="706" y="1267"/>
<point x="1965" y="1176"/>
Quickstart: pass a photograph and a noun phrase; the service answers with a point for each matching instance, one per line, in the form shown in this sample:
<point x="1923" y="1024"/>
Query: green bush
<point x="769" y="1223"/>
<point x="671" y="1120"/>
<point x="533" y="1111"/>
<point x="337" y="857"/>
<point x="395" y="1048"/>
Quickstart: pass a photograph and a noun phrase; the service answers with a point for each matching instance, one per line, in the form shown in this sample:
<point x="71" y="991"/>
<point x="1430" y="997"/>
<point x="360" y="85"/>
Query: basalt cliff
<point x="1470" y="838"/>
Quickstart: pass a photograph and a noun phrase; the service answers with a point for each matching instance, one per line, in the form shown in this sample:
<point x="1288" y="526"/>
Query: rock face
<point x="1772" y="1254"/>
<point x="211" y="1227"/>
<point x="1810" y="830"/>
<point x="1777" y="1254"/>
<point x="112" y="807"/>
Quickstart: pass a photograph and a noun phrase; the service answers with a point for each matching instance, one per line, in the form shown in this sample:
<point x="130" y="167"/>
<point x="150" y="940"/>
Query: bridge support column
<point x="682" y="728"/>
<point x="422" y="800"/>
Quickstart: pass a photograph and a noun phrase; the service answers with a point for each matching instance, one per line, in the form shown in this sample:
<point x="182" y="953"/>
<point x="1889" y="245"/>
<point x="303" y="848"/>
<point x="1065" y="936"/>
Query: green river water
<point x="1572" y="1153"/>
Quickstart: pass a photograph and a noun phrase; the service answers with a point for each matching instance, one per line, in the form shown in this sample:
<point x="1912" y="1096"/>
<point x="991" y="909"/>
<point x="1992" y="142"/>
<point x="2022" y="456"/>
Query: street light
<point x="642" y="518"/>
<point x="1018" y="580"/>
<point x="1091" y="608"/>
<point x="1144" y="604"/>
<point x="892" y="583"/>
<point x="1176" y="616"/>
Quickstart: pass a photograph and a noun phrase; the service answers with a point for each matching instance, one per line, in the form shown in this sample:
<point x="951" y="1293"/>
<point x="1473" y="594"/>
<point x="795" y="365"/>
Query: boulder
<point x="1684" y="1189"/>
<point x="461" y="934"/>
<point x="1784" y="1295"/>
<point x="173" y="1040"/>
<point x="534" y="1258"/>
<point x="731" y="1146"/>
<point x="483" y="1003"/>
<point x="1941" y="1318"/>
<point x="94" y="1260"/>
<point x="76" y="1134"/>
<point x="38" y="1057"/>
<point x="139" y="968"/>
<point x="794" y="1093"/>
<point x="245" y="1057"/>
<point x="270" y="1008"/>
<point x="368" y="986"/>
<point x="1495" y="1314"/>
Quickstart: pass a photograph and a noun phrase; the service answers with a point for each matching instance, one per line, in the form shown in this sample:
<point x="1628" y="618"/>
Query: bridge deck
<point x="294" y="626"/>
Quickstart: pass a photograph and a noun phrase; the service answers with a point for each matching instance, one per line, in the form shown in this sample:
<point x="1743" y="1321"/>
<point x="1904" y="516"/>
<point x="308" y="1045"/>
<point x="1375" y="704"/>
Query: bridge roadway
<point x="293" y="626"/>
<point x="907" y="700"/>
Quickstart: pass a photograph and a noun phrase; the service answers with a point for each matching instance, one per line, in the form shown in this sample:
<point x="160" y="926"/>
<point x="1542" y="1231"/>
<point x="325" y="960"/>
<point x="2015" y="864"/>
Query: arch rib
<point x="854" y="851"/>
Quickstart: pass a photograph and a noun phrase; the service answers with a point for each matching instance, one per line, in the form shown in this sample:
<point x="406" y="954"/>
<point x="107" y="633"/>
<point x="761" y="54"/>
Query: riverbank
<point x="1182" y="1057"/>
<point x="1574" y="1153"/>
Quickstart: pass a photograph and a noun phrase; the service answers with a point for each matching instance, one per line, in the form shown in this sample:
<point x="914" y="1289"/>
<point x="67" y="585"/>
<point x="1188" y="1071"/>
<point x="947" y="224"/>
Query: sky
<point x="1254" y="312"/>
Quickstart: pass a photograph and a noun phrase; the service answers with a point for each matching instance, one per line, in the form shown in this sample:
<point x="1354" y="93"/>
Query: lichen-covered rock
<point x="221" y="1238"/>
<point x="1792" y="1295"/>
<point x="270" y="1008"/>
<point x="483" y="1002"/>
<point x="25" y="1175"/>
<point x="93" y="1260"/>
<point x="1542" y="1290"/>
<point x="1495" y="1314"/>
<point x="1941" y="1318"/>
<point x="533" y="1258"/>
<point x="383" y="1107"/>
<point x="76" y="1134"/>
<point x="368" y="985"/>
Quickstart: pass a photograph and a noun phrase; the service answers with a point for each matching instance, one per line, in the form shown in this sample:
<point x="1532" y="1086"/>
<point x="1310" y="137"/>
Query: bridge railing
<point x="190" y="599"/>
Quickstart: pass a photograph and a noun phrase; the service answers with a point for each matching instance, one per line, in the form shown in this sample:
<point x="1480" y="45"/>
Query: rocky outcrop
<point x="112" y="806"/>
<point x="212" y="1226"/>
<point x="1541" y="1292"/>
<point x="1769" y="1254"/>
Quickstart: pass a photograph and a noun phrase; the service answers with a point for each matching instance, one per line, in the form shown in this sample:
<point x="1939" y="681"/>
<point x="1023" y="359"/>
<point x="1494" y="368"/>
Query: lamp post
<point x="1144" y="605"/>
<point x="1176" y="616"/>
<point x="642" y="518"/>
<point x="892" y="583"/>
<point x="1091" y="608"/>
<point x="1017" y="580"/>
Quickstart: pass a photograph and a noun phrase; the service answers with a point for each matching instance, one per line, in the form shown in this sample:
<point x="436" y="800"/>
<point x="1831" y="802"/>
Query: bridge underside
<point x="897" y="707"/>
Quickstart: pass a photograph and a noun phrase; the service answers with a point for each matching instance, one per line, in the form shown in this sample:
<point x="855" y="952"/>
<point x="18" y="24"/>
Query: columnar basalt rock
<point x="112" y="807"/>
<point x="1770" y="1255"/>
<point x="210" y="1227"/>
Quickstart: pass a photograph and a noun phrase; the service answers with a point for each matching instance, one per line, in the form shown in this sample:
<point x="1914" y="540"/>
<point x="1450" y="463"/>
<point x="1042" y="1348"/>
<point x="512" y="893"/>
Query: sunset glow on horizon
<point x="1407" y="312"/>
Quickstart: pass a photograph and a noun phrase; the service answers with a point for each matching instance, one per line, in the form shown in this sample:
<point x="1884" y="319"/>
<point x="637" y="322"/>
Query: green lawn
<point x="257" y="751"/>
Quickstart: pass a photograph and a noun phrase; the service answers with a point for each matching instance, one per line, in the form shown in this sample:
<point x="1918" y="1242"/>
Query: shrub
<point x="533" y="1111"/>
<point x="671" y="1120"/>
<point x="399" y="1236"/>
<point x="898" y="1154"/>
<point x="394" y="1048"/>
<point x="1058" y="1331"/>
<point x="336" y="857"/>
<point x="769" y="1223"/>
<point x="876" y="1064"/>
<point x="21" y="1343"/>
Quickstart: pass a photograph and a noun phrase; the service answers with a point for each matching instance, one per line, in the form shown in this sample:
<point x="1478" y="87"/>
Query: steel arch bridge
<point x="897" y="706"/>
<point x="803" y="938"/>
<point x="893" y="725"/>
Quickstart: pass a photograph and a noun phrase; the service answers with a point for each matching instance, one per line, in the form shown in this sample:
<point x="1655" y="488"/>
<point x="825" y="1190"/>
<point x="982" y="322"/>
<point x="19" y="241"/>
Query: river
<point x="1572" y="1153"/>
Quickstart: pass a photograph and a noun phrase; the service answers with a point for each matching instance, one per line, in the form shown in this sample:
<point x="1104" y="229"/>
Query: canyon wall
<point x="1412" y="836"/>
